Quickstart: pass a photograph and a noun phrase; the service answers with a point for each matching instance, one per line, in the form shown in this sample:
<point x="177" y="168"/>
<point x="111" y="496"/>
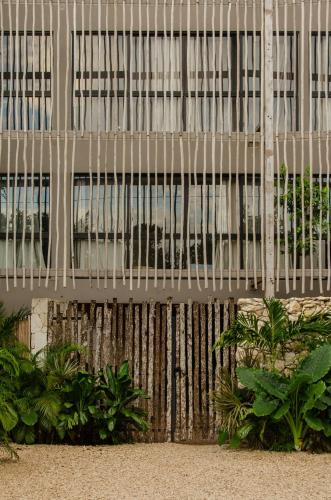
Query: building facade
<point x="164" y="148"/>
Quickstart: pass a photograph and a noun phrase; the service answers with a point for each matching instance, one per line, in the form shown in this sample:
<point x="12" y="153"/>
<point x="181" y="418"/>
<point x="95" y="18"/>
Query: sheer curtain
<point x="23" y="259"/>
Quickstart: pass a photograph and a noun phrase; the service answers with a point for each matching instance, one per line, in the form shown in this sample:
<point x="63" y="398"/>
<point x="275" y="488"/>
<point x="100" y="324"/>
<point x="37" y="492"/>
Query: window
<point x="157" y="212"/>
<point x="321" y="81"/>
<point x="24" y="210"/>
<point x="285" y="56"/>
<point x="25" y="65"/>
<point x="179" y="83"/>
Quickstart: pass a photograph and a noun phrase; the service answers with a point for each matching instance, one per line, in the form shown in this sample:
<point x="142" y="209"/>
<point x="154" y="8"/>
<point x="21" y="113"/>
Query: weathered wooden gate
<point x="169" y="347"/>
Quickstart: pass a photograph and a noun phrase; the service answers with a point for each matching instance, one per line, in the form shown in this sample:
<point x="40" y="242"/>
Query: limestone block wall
<point x="307" y="306"/>
<point x="295" y="306"/>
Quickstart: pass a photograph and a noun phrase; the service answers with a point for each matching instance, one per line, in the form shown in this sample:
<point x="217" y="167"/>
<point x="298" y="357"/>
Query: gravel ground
<point x="166" y="471"/>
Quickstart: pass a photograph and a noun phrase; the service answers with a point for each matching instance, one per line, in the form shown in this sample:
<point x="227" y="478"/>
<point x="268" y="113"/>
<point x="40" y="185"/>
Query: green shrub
<point x="46" y="398"/>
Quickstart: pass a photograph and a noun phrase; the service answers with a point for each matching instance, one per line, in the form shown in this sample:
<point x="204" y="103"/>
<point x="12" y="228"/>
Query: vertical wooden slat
<point x="69" y="333"/>
<point x="217" y="333"/>
<point x="158" y="373"/>
<point x="50" y="319"/>
<point x="196" y="376"/>
<point x="106" y="347"/>
<point x="151" y="354"/>
<point x="128" y="335"/>
<point x="190" y="370"/>
<point x="232" y="349"/>
<point x="178" y="377"/>
<point x="114" y="344"/>
<point x="75" y="322"/>
<point x="120" y="336"/>
<point x="97" y="339"/>
<point x="169" y="368"/>
<point x="211" y="373"/>
<point x="226" y="354"/>
<point x="84" y="337"/>
<point x="163" y="375"/>
<point x="144" y="351"/>
<point x="91" y="335"/>
<point x="183" y="371"/>
<point x="203" y="396"/>
<point x="136" y="357"/>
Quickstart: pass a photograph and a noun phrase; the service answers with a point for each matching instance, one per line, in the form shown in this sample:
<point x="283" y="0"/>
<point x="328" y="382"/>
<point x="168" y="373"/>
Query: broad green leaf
<point x="272" y="383"/>
<point x="281" y="411"/>
<point x="263" y="407"/>
<point x="246" y="377"/>
<point x="8" y="416"/>
<point x="30" y="418"/>
<point x="138" y="419"/>
<point x="314" y="423"/>
<point x="312" y="394"/>
<point x="318" y="363"/>
<point x="222" y="437"/>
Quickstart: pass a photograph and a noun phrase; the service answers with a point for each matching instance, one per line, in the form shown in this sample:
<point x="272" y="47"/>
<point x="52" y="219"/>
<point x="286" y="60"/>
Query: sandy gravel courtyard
<point x="162" y="471"/>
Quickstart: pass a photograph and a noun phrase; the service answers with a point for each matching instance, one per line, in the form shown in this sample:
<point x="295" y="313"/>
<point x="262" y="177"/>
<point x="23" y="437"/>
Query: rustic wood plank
<point x="169" y="368"/>
<point x="106" y="353"/>
<point x="196" y="375"/>
<point x="232" y="349"/>
<point x="177" y="372"/>
<point x="58" y="331"/>
<point x="69" y="323"/>
<point x="120" y="336"/>
<point x="151" y="356"/>
<point x="91" y="335"/>
<point x="144" y="355"/>
<point x="128" y="334"/>
<point x="183" y="371"/>
<point x="114" y="343"/>
<point x="204" y="411"/>
<point x="163" y="380"/>
<point x="98" y="336"/>
<point x="75" y="322"/>
<point x="157" y="372"/>
<point x="211" y="373"/>
<point x="218" y="329"/>
<point x="190" y="370"/>
<point x="226" y="354"/>
<point x="50" y="326"/>
<point x="137" y="347"/>
<point x="84" y="337"/>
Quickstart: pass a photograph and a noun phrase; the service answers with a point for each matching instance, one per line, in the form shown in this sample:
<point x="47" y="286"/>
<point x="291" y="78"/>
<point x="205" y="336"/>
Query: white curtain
<point x="37" y="255"/>
<point x="88" y="255"/>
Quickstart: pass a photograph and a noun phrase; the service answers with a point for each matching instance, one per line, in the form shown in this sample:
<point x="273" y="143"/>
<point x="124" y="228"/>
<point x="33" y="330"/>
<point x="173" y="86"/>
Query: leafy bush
<point x="301" y="402"/>
<point x="46" y="398"/>
<point x="277" y="334"/>
<point x="275" y="407"/>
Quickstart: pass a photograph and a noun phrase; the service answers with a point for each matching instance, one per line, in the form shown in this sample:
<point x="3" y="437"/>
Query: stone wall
<point x="295" y="306"/>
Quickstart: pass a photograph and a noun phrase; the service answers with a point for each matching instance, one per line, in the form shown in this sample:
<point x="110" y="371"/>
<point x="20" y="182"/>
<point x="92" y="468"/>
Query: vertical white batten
<point x="269" y="154"/>
<point x="25" y="140"/>
<point x="50" y="227"/>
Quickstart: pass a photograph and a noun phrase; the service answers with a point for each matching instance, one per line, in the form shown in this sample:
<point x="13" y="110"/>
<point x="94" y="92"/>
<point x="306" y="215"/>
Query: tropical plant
<point x="301" y="402"/>
<point x="277" y="334"/>
<point x="119" y="414"/>
<point x="232" y="406"/>
<point x="9" y="369"/>
<point x="307" y="202"/>
<point x="8" y="323"/>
